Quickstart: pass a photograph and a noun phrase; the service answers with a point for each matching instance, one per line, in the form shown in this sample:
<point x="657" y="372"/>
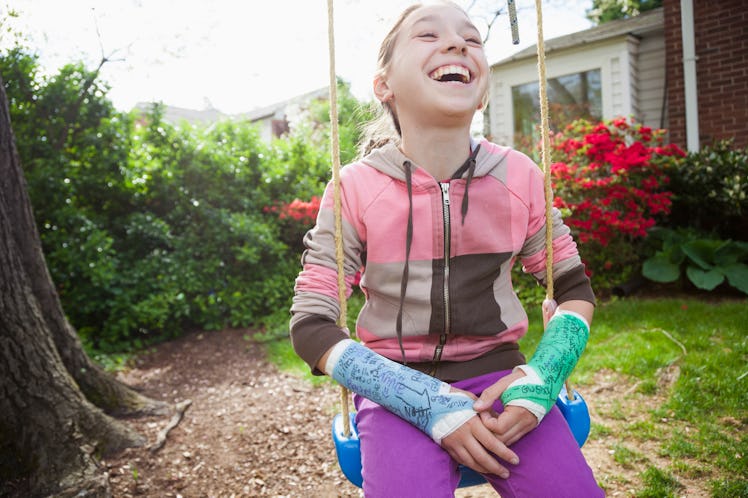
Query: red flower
<point x="612" y="182"/>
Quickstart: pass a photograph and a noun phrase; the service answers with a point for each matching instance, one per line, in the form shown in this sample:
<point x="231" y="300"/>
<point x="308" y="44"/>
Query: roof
<point x="273" y="109"/>
<point x="650" y="20"/>
<point x="174" y="114"/>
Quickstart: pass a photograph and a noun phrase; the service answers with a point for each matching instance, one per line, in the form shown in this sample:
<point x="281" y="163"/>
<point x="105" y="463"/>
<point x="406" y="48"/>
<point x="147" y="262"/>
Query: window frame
<point x="613" y="58"/>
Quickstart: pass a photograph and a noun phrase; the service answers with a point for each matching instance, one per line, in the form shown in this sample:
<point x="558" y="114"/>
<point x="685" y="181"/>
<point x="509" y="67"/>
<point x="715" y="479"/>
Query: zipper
<point x="447" y="237"/>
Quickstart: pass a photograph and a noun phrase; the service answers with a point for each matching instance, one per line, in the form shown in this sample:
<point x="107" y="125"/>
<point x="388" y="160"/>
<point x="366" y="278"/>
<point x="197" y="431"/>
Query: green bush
<point x="707" y="262"/>
<point x="710" y="191"/>
<point x="151" y="229"/>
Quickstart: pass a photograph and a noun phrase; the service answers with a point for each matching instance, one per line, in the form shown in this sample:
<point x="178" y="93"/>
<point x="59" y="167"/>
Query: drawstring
<point x="468" y="165"/>
<point x="408" y="243"/>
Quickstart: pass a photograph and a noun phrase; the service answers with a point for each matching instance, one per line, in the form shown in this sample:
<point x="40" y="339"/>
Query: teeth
<point x="461" y="71"/>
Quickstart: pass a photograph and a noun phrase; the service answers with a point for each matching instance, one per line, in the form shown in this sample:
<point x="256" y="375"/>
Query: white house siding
<point x="630" y="78"/>
<point x="651" y="65"/>
<point x="632" y="73"/>
<point x="617" y="88"/>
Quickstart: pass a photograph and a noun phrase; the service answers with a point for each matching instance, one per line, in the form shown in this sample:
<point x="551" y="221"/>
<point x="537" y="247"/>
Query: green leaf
<point x="702" y="251"/>
<point x="660" y="269"/>
<point x="704" y="279"/>
<point x="731" y="252"/>
<point x="737" y="276"/>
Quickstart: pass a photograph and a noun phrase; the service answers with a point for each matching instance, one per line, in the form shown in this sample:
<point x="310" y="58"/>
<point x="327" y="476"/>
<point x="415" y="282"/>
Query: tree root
<point x="179" y="410"/>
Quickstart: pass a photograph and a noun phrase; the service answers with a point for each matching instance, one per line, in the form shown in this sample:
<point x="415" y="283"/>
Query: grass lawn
<point x="670" y="382"/>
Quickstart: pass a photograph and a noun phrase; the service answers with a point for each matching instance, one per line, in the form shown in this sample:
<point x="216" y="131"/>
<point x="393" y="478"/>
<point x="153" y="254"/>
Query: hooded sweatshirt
<point x="435" y="260"/>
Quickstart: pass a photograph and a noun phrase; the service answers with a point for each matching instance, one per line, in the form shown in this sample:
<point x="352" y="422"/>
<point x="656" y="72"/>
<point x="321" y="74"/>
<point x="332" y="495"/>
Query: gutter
<point x="689" y="75"/>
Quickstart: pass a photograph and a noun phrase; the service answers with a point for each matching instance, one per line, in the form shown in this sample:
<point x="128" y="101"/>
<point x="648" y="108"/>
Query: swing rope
<point x="337" y="204"/>
<point x="545" y="153"/>
<point x="545" y="158"/>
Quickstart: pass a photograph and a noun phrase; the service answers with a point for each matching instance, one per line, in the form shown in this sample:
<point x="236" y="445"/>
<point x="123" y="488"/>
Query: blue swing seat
<point x="576" y="413"/>
<point x="348" y="448"/>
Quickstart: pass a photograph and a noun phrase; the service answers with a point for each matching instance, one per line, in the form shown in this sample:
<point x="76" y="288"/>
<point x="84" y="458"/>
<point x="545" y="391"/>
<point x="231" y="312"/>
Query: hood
<point x="389" y="160"/>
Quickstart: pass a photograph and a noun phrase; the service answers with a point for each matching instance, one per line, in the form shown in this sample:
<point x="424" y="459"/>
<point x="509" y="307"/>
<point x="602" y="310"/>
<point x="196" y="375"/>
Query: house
<point x="615" y="69"/>
<point x="272" y="120"/>
<point x="176" y="115"/>
<point x="683" y="67"/>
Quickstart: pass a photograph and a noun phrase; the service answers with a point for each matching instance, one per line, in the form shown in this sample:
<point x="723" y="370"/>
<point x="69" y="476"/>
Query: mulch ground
<point x="254" y="431"/>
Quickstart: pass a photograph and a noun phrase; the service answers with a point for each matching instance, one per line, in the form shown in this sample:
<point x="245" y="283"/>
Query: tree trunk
<point x="49" y="432"/>
<point x="101" y="389"/>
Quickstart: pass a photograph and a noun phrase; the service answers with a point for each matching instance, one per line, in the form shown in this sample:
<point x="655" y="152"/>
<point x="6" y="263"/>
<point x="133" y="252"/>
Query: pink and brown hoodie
<point x="436" y="260"/>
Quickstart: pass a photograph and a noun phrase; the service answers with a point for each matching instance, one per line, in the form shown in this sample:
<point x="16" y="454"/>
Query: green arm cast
<point x="556" y="356"/>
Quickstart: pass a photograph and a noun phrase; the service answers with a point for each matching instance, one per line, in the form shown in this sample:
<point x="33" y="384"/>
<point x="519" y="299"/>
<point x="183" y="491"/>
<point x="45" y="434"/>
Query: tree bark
<point x="101" y="389"/>
<point x="49" y="432"/>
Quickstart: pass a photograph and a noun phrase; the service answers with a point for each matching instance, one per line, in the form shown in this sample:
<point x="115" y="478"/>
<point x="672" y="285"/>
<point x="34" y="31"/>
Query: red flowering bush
<point x="302" y="212"/>
<point x="296" y="217"/>
<point x="610" y="181"/>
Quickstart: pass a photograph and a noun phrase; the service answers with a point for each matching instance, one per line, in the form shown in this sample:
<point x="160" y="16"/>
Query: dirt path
<point x="253" y="431"/>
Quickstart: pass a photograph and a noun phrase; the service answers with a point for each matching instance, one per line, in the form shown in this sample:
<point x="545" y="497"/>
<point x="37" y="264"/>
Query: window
<point x="280" y="126"/>
<point x="570" y="97"/>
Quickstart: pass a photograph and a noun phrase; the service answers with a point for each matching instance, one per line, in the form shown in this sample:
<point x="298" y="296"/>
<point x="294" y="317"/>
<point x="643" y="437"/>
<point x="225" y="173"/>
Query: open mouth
<point x="451" y="73"/>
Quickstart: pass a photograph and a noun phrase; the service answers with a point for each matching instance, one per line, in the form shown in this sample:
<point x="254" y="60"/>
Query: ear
<point x="382" y="90"/>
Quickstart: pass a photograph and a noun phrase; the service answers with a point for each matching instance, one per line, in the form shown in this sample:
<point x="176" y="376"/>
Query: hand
<point x="471" y="443"/>
<point x="514" y="422"/>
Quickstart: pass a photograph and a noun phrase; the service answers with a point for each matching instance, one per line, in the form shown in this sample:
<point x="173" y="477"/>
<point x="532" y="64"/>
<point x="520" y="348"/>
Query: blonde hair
<point x="385" y="127"/>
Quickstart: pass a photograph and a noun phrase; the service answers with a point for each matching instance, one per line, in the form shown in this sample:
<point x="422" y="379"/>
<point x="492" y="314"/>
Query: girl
<point x="436" y="220"/>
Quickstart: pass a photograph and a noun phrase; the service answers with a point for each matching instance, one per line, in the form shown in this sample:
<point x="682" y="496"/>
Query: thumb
<point x="549" y="308"/>
<point x="489" y="396"/>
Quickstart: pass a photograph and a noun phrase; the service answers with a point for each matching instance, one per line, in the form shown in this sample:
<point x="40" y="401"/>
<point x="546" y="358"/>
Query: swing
<point x="572" y="406"/>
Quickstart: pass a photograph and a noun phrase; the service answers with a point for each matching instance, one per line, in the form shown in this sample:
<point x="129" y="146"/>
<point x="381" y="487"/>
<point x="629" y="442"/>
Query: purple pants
<point x="401" y="461"/>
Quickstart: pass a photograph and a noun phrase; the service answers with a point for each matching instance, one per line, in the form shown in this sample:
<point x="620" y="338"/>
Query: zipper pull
<point x="445" y="193"/>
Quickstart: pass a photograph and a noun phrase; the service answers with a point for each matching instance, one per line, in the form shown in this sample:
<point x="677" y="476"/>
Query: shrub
<point x="295" y="218"/>
<point x="710" y="191"/>
<point x="610" y="183"/>
<point x="707" y="262"/>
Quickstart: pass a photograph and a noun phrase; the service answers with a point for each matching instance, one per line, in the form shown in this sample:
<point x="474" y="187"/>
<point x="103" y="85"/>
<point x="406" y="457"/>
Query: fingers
<point x="493" y="392"/>
<point x="465" y="457"/>
<point x="511" y="425"/>
<point x="490" y="442"/>
<point x="549" y="307"/>
<point x="473" y="444"/>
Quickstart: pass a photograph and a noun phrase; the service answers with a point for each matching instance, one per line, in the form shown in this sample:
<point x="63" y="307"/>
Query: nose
<point x="455" y="43"/>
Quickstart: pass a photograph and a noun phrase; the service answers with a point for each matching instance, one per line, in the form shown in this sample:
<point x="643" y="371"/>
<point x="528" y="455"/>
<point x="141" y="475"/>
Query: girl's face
<point x="438" y="68"/>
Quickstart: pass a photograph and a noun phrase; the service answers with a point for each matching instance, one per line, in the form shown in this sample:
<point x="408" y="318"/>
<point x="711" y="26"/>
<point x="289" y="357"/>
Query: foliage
<point x="295" y="218"/>
<point x="707" y="262"/>
<point x="148" y="228"/>
<point x="530" y="293"/>
<point x="659" y="484"/>
<point x="610" y="183"/>
<point x="710" y="190"/>
<point x="314" y="123"/>
<point x="609" y="10"/>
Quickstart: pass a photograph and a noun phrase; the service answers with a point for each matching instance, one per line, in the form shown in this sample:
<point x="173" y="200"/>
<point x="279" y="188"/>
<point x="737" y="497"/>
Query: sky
<point x="240" y="55"/>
